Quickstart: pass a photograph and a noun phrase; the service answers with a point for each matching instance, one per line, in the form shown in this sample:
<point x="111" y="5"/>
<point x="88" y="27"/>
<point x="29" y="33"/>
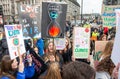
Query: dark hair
<point x="105" y="65"/>
<point x="77" y="70"/>
<point x="6" y="67"/>
<point x="104" y="35"/>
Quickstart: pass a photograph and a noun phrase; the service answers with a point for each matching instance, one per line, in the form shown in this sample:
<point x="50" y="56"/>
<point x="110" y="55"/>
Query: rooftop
<point x="75" y="2"/>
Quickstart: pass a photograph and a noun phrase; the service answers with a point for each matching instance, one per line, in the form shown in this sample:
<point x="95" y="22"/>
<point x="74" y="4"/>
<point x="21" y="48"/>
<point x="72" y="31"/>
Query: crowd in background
<point x="43" y="61"/>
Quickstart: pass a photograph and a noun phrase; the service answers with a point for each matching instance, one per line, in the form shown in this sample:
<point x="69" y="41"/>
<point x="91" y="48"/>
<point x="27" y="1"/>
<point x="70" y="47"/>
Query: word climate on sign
<point x="13" y="31"/>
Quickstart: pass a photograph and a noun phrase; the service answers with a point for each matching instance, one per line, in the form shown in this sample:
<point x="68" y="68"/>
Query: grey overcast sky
<point x="91" y="6"/>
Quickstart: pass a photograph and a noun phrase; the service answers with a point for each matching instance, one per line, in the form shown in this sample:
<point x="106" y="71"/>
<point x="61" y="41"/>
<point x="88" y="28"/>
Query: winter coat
<point x="40" y="45"/>
<point x="3" y="48"/>
<point x="19" y="76"/>
<point x="40" y="65"/>
<point x="67" y="56"/>
<point x="29" y="71"/>
<point x="106" y="29"/>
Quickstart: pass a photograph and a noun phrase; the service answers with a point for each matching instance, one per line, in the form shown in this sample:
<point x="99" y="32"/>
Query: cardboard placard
<point x="100" y="45"/>
<point x="59" y="43"/>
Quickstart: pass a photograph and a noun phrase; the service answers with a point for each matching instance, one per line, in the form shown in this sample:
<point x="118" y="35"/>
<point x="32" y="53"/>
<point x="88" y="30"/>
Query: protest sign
<point x="115" y="52"/>
<point x="53" y="19"/>
<point x="81" y="42"/>
<point x="14" y="37"/>
<point x="100" y="45"/>
<point x="59" y="43"/>
<point x="29" y="17"/>
<point x="109" y="15"/>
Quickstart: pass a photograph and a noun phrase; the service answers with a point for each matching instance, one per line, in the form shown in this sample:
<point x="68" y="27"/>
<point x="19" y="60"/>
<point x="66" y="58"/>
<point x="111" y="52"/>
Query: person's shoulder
<point x="4" y="77"/>
<point x="102" y="75"/>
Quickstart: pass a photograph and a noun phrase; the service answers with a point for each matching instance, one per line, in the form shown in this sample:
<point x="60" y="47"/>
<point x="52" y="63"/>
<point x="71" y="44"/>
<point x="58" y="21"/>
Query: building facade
<point x="111" y="2"/>
<point x="6" y="5"/>
<point x="11" y="14"/>
<point x="73" y="10"/>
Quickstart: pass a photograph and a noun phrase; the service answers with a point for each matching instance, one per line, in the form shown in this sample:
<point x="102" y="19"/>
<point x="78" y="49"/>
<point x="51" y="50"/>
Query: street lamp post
<point x="81" y="11"/>
<point x="75" y="17"/>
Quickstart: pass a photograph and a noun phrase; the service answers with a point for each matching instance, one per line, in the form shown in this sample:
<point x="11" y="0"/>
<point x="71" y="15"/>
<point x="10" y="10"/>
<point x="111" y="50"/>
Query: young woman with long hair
<point x="12" y="70"/>
<point x="107" y="51"/>
<point x="53" y="71"/>
<point x="52" y="54"/>
<point x="105" y="68"/>
<point x="7" y="67"/>
<point x="67" y="52"/>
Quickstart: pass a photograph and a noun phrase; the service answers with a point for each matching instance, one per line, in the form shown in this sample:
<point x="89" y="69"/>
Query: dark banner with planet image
<point x="53" y="19"/>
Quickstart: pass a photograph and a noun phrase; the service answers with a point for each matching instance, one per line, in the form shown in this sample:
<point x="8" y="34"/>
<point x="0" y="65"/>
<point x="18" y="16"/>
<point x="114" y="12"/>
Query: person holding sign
<point x="6" y="68"/>
<point x="9" y="68"/>
<point x="100" y="55"/>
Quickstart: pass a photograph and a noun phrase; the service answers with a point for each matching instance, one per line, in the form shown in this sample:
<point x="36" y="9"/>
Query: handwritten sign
<point x="109" y="15"/>
<point x="30" y="19"/>
<point x="81" y="42"/>
<point x="15" y="40"/>
<point x="59" y="43"/>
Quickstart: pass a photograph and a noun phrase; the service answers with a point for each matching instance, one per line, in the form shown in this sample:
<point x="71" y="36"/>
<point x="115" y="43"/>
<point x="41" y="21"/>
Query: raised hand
<point x="29" y="58"/>
<point x="21" y="65"/>
<point x="116" y="71"/>
<point x="52" y="58"/>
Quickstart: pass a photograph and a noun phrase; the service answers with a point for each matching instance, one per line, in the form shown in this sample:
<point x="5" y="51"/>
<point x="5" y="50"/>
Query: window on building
<point x="110" y="2"/>
<point x="115" y="2"/>
<point x="32" y="1"/>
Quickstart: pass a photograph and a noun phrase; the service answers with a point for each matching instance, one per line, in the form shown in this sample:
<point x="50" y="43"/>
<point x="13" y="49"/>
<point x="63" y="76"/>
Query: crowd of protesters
<point x="43" y="61"/>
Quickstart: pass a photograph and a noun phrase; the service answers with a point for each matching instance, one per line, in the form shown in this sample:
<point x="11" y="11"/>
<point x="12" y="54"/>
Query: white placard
<point x="59" y="43"/>
<point x="81" y="42"/>
<point x="115" y="52"/>
<point x="15" y="40"/>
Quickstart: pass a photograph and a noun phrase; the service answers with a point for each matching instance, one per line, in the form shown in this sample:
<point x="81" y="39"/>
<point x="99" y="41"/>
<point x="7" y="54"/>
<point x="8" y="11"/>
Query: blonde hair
<point x="69" y="45"/>
<point x="53" y="71"/>
<point x="108" y="49"/>
<point x="52" y="53"/>
<point x="53" y="46"/>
